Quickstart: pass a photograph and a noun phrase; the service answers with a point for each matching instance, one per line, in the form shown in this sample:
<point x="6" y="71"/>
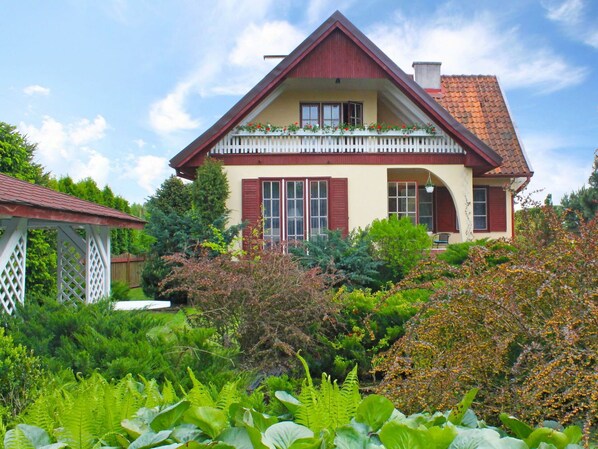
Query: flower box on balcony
<point x="339" y="132"/>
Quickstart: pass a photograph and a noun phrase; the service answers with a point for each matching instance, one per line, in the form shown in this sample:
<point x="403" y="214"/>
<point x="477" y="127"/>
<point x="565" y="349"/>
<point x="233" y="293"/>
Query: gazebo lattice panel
<point x="13" y="250"/>
<point x="71" y="265"/>
<point x="98" y="263"/>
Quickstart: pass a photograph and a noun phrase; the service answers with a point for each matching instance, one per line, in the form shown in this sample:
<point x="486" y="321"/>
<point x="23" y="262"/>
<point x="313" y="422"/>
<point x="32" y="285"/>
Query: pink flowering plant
<point x="380" y="128"/>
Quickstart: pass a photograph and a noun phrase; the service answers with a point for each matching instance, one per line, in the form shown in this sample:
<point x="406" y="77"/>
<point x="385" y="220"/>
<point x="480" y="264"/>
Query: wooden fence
<point x="127" y="268"/>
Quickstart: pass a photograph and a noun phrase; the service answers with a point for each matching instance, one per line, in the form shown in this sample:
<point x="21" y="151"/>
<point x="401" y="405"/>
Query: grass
<point x="136" y="294"/>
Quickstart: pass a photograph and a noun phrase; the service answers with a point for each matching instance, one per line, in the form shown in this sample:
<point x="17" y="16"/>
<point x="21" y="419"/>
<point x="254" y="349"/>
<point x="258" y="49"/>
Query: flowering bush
<point x="265" y="128"/>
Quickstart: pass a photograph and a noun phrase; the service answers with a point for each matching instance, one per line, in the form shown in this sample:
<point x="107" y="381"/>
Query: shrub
<point x="524" y="331"/>
<point x="94" y="337"/>
<point x="21" y="376"/>
<point x="269" y="304"/>
<point x="457" y="253"/>
<point x="370" y="322"/>
<point x="399" y="244"/>
<point x="349" y="259"/>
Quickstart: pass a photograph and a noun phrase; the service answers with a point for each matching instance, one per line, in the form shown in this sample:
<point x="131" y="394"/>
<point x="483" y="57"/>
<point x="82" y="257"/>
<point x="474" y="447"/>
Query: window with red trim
<point x="292" y="212"/>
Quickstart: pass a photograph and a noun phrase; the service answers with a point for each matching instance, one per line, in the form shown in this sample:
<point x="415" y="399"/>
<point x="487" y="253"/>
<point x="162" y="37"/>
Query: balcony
<point x="319" y="142"/>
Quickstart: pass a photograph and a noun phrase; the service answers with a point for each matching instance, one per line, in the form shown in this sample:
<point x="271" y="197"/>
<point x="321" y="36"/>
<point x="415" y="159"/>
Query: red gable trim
<point x="47" y="214"/>
<point x="335" y="22"/>
<point x="22" y="199"/>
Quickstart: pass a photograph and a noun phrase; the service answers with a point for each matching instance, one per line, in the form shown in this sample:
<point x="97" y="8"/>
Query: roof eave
<point x="273" y="79"/>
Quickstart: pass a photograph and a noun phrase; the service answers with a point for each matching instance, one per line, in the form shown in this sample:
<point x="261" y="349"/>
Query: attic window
<point x="331" y="114"/>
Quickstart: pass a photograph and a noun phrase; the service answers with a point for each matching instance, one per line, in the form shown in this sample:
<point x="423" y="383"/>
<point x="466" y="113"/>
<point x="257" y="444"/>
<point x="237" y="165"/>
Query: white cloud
<point x="168" y="115"/>
<point x="61" y="147"/>
<point x="478" y="45"/>
<point x="554" y="173"/>
<point x="140" y="143"/>
<point x="568" y="12"/>
<point x="278" y="38"/>
<point x="36" y="89"/>
<point x="95" y="166"/>
<point x="85" y="131"/>
<point x="226" y="63"/>
<point x="148" y="171"/>
<point x="574" y="17"/>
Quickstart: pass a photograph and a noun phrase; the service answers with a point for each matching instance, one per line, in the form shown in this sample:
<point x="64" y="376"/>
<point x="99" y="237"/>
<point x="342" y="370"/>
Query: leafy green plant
<point x="349" y="260"/>
<point x="399" y="244"/>
<point x="21" y="376"/>
<point x="368" y="322"/>
<point x="550" y="433"/>
<point x="336" y="417"/>
<point x="325" y="407"/>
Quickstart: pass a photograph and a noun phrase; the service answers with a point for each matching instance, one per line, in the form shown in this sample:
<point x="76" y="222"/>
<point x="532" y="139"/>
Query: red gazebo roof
<point x="23" y="199"/>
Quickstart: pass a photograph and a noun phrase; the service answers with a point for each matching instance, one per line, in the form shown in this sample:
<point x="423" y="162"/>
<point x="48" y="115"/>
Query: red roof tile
<point x="22" y="199"/>
<point x="477" y="102"/>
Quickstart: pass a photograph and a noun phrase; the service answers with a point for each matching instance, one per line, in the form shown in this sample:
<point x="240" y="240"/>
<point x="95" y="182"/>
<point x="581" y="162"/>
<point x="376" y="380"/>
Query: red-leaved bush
<point x="524" y="331"/>
<point x="267" y="303"/>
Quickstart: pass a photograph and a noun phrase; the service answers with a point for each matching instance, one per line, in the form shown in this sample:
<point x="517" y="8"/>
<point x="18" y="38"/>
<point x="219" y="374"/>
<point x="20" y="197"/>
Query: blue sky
<point x="113" y="89"/>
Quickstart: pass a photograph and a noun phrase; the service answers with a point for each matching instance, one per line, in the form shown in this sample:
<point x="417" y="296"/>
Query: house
<point x="337" y="135"/>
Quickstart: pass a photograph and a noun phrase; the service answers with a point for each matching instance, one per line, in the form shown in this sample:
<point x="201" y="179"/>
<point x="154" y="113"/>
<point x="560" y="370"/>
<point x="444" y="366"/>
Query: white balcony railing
<point x="357" y="142"/>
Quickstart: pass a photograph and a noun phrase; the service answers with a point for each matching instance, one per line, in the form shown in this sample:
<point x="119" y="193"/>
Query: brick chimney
<point x="427" y="75"/>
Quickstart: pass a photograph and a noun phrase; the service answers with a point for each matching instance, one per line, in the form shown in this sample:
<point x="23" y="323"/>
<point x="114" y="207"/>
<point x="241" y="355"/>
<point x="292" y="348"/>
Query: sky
<point x="113" y="89"/>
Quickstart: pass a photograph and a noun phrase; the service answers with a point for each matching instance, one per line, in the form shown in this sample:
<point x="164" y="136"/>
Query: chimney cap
<point x="425" y="63"/>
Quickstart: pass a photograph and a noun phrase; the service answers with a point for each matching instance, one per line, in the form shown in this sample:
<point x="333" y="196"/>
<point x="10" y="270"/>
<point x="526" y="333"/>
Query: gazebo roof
<point x="23" y="199"/>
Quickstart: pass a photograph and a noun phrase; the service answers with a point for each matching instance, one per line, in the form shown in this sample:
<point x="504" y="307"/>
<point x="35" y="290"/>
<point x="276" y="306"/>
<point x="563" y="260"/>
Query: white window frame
<point x="483" y="202"/>
<point x="410" y="212"/>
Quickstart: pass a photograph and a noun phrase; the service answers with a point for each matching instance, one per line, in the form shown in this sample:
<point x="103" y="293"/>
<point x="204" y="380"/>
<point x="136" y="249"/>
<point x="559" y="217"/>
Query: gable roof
<point x="271" y="81"/>
<point x="478" y="103"/>
<point x="23" y="199"/>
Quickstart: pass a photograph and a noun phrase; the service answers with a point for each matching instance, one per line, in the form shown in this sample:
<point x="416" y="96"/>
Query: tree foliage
<point x="16" y="156"/>
<point x="583" y="203"/>
<point x="525" y="331"/>
<point x="176" y="226"/>
<point x="210" y="191"/>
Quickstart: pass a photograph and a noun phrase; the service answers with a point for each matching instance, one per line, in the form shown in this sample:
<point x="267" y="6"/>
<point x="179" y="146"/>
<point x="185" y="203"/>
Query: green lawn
<point x="136" y="294"/>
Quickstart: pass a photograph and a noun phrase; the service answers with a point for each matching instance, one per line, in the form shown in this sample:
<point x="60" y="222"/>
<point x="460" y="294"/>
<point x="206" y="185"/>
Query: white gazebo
<point x="83" y="240"/>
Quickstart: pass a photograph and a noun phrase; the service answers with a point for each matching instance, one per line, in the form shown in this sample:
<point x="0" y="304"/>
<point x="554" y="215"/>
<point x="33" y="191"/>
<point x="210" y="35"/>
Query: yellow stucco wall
<point x="385" y="115"/>
<point x="367" y="189"/>
<point x="285" y="109"/>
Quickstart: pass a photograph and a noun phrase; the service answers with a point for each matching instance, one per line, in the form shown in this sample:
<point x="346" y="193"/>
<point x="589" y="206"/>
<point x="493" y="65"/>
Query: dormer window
<point x="331" y="114"/>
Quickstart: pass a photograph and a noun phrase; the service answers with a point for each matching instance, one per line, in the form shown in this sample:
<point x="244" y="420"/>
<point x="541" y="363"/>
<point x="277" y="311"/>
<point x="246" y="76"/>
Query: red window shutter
<point x="446" y="216"/>
<point x="339" y="205"/>
<point x="497" y="209"/>
<point x="251" y="210"/>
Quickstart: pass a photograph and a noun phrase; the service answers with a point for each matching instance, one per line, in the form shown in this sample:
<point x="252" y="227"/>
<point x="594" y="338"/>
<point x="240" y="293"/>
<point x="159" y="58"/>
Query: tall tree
<point x="210" y="192"/>
<point x="16" y="156"/>
<point x="583" y="202"/>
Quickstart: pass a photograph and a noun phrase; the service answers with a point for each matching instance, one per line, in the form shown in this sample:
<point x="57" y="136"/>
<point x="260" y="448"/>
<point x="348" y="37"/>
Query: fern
<point x="78" y="429"/>
<point x="229" y="394"/>
<point x="168" y="393"/>
<point x="328" y="406"/>
<point x="199" y="394"/>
